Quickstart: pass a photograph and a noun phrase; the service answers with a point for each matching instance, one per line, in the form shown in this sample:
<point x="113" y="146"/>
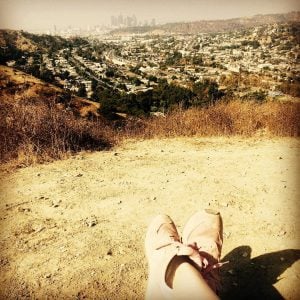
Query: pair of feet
<point x="200" y="245"/>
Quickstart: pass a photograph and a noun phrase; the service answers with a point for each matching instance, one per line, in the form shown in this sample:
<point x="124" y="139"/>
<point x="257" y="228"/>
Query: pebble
<point x="21" y="209"/>
<point x="109" y="252"/>
<point x="281" y="233"/>
<point x="245" y="254"/>
<point x="227" y="234"/>
<point x="231" y="272"/>
<point x="39" y="229"/>
<point x="122" y="267"/>
<point x="91" y="221"/>
<point x="56" y="203"/>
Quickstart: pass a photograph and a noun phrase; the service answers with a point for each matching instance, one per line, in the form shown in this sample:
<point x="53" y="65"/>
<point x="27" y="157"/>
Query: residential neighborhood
<point x="134" y="63"/>
<point x="261" y="58"/>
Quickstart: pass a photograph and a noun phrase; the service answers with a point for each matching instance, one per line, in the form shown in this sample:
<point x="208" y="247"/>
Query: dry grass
<point x="232" y="118"/>
<point x="34" y="131"/>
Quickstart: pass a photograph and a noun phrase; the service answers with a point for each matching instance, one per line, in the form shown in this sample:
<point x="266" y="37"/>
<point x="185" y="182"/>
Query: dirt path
<point x="75" y="228"/>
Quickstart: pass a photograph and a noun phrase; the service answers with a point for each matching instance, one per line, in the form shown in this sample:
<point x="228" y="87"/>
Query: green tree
<point x="82" y="90"/>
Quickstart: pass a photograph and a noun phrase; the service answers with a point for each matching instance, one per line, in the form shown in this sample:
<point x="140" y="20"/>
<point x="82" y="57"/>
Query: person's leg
<point x="204" y="231"/>
<point x="171" y="275"/>
<point x="188" y="283"/>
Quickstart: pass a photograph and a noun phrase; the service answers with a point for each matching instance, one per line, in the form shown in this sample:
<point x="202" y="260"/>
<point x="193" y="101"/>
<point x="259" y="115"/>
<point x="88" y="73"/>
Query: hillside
<point x="27" y="42"/>
<point x="41" y="119"/>
<point x="17" y="85"/>
<point x="40" y="122"/>
<point x="75" y="229"/>
<point x="213" y="26"/>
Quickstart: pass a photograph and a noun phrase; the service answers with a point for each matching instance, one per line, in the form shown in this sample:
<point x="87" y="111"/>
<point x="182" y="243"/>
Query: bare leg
<point x="187" y="282"/>
<point x="172" y="274"/>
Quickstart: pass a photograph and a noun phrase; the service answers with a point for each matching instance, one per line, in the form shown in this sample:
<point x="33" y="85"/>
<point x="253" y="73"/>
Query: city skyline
<point x="42" y="15"/>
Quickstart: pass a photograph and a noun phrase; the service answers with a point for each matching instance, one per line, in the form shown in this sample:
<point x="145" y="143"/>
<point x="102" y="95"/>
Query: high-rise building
<point x="134" y="20"/>
<point x="120" y="20"/>
<point x="124" y="21"/>
<point x="129" y="21"/>
<point x="114" y="21"/>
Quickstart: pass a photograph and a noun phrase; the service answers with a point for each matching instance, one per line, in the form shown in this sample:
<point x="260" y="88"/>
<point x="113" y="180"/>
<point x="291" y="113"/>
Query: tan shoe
<point x="162" y="244"/>
<point x="204" y="232"/>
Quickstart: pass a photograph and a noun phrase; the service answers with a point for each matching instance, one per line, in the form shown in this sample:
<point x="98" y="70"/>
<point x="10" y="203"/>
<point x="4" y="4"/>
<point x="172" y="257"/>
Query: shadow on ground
<point x="246" y="278"/>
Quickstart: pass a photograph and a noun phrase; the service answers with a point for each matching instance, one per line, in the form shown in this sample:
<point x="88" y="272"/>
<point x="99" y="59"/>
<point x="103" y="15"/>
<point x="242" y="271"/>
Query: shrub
<point x="44" y="132"/>
<point x="245" y="118"/>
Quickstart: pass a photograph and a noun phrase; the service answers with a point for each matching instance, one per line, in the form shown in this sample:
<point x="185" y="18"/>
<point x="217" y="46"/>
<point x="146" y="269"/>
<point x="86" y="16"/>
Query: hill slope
<point x="40" y="122"/>
<point x="17" y="85"/>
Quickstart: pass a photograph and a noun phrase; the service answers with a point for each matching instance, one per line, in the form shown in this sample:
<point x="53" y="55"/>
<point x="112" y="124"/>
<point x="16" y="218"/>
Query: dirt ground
<point x="74" y="229"/>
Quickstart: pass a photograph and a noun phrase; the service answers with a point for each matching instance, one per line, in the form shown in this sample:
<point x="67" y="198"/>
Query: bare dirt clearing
<point x="75" y="228"/>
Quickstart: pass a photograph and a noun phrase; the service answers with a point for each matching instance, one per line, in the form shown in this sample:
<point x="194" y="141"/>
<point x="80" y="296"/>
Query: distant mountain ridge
<point x="212" y="26"/>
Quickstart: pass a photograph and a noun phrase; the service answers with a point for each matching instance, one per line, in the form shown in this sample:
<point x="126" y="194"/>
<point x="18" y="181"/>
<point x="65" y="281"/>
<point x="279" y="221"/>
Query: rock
<point x="281" y="233"/>
<point x="109" y="252"/>
<point x="231" y="272"/>
<point x="4" y="261"/>
<point x="245" y="254"/>
<point x="227" y="234"/>
<point x="21" y="209"/>
<point x="56" y="203"/>
<point x="91" y="221"/>
<point x="39" y="229"/>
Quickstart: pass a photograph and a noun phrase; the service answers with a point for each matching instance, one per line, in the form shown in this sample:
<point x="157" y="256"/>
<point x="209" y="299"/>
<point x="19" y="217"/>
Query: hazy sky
<point x="44" y="14"/>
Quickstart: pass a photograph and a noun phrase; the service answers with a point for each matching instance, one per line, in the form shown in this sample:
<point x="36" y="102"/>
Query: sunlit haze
<point x="45" y="14"/>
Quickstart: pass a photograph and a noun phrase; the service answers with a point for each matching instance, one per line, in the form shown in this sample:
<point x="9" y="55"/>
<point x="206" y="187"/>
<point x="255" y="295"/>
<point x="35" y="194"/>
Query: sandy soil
<point x="75" y="229"/>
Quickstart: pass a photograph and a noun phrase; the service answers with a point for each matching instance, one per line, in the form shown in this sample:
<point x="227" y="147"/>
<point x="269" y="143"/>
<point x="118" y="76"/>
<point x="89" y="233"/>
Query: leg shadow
<point x="246" y="278"/>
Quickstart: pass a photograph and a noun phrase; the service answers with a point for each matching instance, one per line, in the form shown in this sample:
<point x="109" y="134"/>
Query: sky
<point x="44" y="14"/>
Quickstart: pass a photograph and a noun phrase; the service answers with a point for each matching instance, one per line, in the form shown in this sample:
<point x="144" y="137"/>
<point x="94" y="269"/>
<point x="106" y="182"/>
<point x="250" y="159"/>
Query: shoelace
<point x="202" y="261"/>
<point x="206" y="268"/>
<point x="193" y="253"/>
